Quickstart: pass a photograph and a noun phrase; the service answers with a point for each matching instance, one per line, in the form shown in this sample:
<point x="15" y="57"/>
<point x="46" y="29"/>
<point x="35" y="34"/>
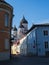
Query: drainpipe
<point x="36" y="43"/>
<point x="10" y="33"/>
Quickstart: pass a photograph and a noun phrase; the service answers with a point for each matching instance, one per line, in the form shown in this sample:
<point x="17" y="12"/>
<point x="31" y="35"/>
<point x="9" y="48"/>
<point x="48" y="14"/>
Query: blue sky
<point x="35" y="11"/>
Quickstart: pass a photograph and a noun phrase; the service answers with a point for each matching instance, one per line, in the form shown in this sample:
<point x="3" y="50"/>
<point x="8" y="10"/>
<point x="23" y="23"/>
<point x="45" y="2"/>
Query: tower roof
<point x="14" y="28"/>
<point x="23" y="20"/>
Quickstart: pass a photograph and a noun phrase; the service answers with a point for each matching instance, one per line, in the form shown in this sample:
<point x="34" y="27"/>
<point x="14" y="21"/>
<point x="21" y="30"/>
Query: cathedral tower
<point x="14" y="34"/>
<point x="23" y="28"/>
<point x="25" y="24"/>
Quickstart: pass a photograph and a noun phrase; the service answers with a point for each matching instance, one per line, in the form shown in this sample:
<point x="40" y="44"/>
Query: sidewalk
<point x="26" y="61"/>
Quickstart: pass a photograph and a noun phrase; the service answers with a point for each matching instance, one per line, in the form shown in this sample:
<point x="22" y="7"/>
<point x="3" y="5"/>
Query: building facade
<point x="36" y="41"/>
<point x="6" y="15"/>
<point x="17" y="34"/>
<point x="14" y="34"/>
<point x="23" y="28"/>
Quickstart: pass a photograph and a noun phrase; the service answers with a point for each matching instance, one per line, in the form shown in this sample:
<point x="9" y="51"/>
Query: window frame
<point x="6" y="19"/>
<point x="45" y="32"/>
<point x="46" y="44"/>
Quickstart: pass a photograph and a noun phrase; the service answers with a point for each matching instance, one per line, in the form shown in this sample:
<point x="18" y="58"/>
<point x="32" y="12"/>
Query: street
<point x="26" y="61"/>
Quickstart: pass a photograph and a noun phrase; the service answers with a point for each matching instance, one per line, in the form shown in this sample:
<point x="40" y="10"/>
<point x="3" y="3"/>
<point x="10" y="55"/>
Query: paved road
<point x="26" y="61"/>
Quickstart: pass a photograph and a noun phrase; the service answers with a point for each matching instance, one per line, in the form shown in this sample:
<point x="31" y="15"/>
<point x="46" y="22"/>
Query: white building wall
<point x="23" y="46"/>
<point x="32" y="42"/>
<point x="35" y="38"/>
<point x="41" y="39"/>
<point x="20" y="33"/>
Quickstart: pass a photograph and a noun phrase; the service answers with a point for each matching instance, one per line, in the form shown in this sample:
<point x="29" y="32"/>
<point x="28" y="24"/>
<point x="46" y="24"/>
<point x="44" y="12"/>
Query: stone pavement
<point x="26" y="61"/>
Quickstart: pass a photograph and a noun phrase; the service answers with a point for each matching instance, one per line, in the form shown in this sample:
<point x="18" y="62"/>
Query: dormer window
<point x="6" y="20"/>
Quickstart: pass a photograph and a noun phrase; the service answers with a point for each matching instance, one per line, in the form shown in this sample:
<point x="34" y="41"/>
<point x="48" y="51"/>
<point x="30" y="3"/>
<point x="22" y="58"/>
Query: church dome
<point x="23" y="20"/>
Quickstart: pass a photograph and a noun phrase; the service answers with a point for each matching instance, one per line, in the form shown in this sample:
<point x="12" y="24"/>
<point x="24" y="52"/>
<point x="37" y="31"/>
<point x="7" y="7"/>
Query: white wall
<point x="41" y="39"/>
<point x="20" y="33"/>
<point x="35" y="36"/>
<point x="32" y="42"/>
<point x="23" y="46"/>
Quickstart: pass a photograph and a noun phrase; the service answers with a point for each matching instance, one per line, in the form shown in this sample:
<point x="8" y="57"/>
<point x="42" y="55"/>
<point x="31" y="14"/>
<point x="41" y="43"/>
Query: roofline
<point x="37" y="25"/>
<point x="7" y="4"/>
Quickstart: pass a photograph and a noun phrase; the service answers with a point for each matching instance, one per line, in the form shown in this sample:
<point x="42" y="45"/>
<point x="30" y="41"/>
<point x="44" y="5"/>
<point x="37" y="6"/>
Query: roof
<point x="14" y="28"/>
<point x="23" y="20"/>
<point x="3" y="1"/>
<point x="37" y="25"/>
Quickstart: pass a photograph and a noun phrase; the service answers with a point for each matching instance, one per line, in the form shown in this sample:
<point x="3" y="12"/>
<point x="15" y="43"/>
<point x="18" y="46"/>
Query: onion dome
<point x="14" y="28"/>
<point x="23" y="20"/>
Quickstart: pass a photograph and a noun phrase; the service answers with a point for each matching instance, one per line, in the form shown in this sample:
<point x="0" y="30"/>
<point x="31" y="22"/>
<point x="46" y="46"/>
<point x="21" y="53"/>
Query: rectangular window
<point x="6" y="20"/>
<point x="45" y="32"/>
<point x="7" y="44"/>
<point x="46" y="44"/>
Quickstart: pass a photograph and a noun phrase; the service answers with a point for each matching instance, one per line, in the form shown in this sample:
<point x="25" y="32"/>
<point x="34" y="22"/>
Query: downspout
<point x="10" y="32"/>
<point x="36" y="44"/>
